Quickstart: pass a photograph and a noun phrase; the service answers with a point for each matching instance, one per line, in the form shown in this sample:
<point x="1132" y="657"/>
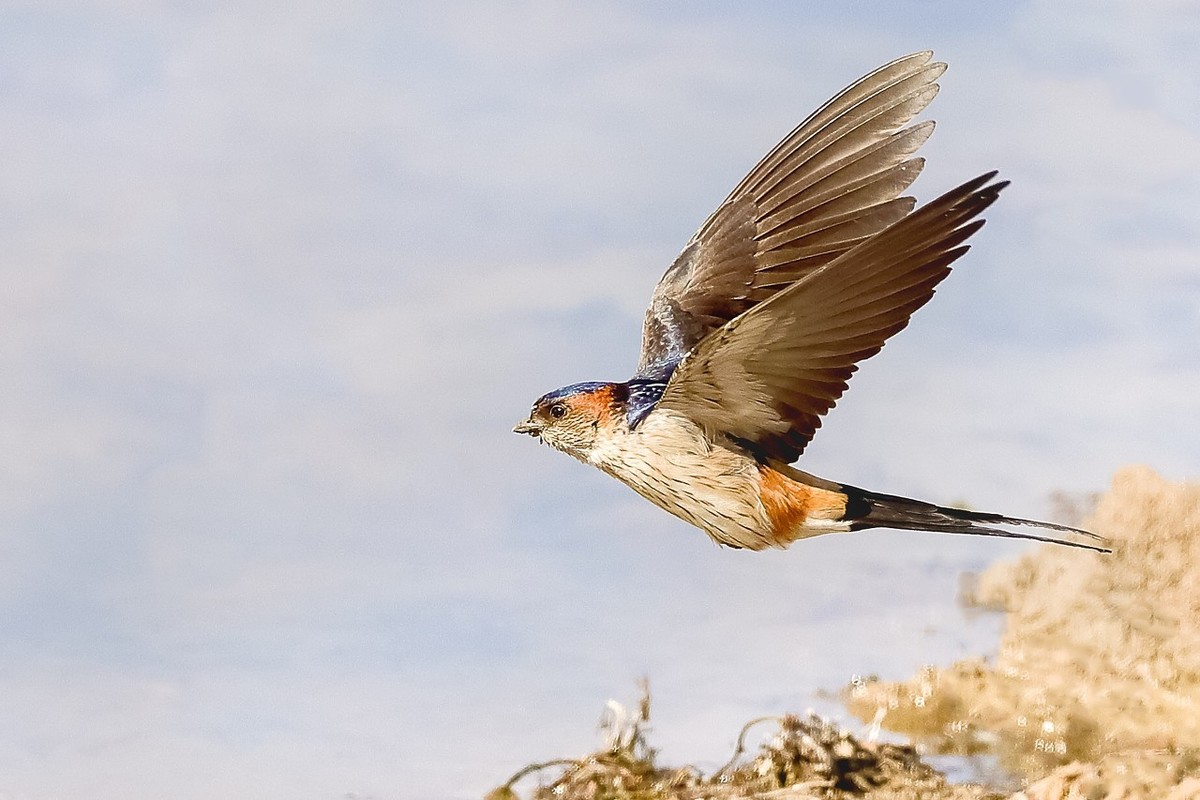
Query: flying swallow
<point x="808" y="267"/>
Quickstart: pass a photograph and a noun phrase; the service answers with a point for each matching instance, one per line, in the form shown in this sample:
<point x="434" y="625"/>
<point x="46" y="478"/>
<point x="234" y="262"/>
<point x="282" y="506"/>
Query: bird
<point x="809" y="266"/>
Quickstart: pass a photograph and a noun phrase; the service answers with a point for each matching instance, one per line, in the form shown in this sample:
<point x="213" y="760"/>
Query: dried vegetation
<point x="806" y="759"/>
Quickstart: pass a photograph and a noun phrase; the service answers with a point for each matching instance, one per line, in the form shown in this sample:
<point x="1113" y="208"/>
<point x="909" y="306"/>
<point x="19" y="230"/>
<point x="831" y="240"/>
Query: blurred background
<point x="279" y="278"/>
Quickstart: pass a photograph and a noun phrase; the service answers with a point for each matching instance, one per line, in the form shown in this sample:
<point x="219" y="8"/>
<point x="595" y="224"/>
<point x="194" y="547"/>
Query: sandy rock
<point x="1100" y="655"/>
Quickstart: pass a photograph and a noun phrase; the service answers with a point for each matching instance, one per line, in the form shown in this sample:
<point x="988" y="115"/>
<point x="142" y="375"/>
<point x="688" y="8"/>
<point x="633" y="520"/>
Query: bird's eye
<point x="558" y="411"/>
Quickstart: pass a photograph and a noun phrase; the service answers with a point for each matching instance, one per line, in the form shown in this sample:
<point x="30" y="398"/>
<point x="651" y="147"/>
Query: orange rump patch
<point x="785" y="501"/>
<point x="789" y="504"/>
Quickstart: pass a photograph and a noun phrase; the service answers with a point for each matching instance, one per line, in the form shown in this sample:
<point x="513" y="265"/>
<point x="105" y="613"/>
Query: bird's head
<point x="573" y="418"/>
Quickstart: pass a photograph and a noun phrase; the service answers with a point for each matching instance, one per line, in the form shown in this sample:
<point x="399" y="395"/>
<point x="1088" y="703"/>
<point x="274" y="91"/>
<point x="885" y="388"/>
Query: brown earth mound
<point x="1099" y="664"/>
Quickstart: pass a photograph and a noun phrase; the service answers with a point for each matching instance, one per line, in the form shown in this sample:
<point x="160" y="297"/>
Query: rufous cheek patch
<point x="597" y="404"/>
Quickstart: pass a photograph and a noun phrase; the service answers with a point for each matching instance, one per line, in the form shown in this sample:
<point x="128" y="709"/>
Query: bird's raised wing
<point x="767" y="377"/>
<point x="830" y="184"/>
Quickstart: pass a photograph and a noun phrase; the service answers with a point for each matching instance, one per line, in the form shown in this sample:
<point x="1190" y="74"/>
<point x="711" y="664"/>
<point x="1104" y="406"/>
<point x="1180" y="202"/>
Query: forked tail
<point x="870" y="510"/>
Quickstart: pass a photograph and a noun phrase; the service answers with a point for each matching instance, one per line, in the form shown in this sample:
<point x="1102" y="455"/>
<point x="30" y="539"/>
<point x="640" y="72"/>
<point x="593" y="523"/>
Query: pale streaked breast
<point x="668" y="461"/>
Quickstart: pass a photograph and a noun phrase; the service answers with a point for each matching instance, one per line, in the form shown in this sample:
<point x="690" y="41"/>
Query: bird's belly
<point x="670" y="462"/>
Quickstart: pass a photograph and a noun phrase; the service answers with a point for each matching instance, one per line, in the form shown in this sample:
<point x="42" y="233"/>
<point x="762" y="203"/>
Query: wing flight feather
<point x="767" y="377"/>
<point x="833" y="182"/>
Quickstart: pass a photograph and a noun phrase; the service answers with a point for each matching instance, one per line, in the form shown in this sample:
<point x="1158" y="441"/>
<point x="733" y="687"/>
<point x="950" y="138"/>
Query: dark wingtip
<point x="980" y="181"/>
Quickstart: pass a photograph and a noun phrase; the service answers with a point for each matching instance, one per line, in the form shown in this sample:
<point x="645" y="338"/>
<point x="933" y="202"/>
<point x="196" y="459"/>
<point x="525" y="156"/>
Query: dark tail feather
<point x="869" y="510"/>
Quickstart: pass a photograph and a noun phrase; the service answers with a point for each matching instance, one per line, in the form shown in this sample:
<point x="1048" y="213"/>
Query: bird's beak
<point x="528" y="426"/>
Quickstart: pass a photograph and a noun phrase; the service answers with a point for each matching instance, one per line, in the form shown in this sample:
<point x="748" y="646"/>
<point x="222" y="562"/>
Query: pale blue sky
<point x="279" y="279"/>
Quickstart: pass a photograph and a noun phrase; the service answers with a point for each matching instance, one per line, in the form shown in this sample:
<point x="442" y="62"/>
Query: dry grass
<point x="807" y="759"/>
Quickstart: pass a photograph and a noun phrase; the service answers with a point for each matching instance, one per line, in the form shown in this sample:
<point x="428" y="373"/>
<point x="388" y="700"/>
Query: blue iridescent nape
<point x="645" y="390"/>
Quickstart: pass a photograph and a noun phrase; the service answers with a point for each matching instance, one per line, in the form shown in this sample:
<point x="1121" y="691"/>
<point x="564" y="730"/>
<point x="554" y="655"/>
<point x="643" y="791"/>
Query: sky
<point x="280" y="278"/>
